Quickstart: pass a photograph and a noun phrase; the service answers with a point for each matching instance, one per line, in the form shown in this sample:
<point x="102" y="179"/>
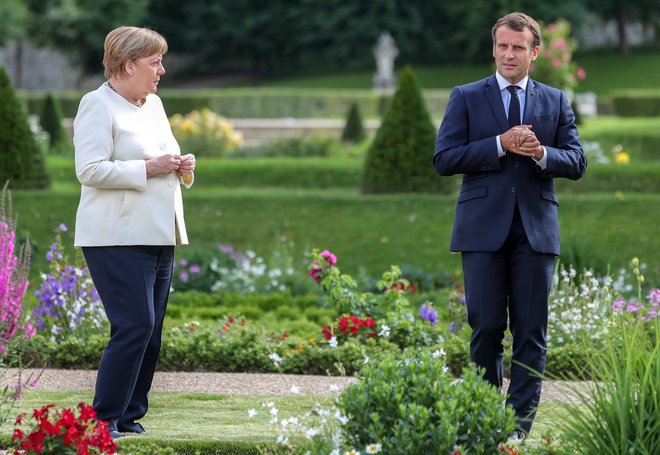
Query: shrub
<point x="51" y="122"/>
<point x="399" y="159"/>
<point x="308" y="145"/>
<point x="412" y="404"/>
<point x="354" y="129"/>
<point x="22" y="160"/>
<point x="554" y="65"/>
<point x="204" y="133"/>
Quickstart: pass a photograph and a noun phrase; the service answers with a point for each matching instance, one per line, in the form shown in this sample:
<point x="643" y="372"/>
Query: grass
<point x="606" y="72"/>
<point x="213" y="424"/>
<point x="190" y="422"/>
<point x="372" y="232"/>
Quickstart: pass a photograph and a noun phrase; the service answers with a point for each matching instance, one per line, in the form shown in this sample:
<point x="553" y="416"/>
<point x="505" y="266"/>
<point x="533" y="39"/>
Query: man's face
<point x="514" y="53"/>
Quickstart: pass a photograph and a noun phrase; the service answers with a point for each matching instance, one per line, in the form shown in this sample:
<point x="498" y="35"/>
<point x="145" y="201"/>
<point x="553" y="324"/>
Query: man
<point x="510" y="137"/>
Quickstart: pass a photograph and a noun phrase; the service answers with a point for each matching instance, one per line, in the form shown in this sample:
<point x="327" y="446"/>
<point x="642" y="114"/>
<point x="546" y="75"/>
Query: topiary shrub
<point x="353" y="130"/>
<point x="399" y="159"/>
<point x="22" y="160"/>
<point x="51" y="122"/>
<point x="411" y="404"/>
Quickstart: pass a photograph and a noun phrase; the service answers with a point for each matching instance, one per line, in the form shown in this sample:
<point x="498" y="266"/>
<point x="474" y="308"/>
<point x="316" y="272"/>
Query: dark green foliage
<point x="51" y="122"/>
<point x="22" y="161"/>
<point x="354" y="130"/>
<point x="411" y="405"/>
<point x="399" y="159"/>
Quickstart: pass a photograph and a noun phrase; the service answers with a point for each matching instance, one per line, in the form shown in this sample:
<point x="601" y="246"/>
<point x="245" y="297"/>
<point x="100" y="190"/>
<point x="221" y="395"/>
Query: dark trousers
<point x="134" y="284"/>
<point x="514" y="280"/>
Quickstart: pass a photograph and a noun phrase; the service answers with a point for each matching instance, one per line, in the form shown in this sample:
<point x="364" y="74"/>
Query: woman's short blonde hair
<point x="129" y="43"/>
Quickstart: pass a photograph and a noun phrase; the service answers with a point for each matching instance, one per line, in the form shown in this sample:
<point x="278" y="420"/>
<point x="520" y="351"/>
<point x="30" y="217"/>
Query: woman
<point x="130" y="216"/>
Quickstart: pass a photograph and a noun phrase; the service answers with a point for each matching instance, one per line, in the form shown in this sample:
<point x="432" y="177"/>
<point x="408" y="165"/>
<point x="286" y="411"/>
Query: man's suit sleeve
<point x="565" y="157"/>
<point x="456" y="152"/>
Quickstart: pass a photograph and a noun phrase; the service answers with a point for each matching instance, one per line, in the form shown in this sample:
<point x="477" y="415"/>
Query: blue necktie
<point x="514" y="106"/>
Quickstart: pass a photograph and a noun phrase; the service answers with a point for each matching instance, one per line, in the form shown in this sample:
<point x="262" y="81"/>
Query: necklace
<point x="138" y="103"/>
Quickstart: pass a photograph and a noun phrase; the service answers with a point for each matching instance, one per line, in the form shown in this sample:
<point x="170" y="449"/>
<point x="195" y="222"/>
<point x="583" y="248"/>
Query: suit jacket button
<point x="162" y="146"/>
<point x="170" y="183"/>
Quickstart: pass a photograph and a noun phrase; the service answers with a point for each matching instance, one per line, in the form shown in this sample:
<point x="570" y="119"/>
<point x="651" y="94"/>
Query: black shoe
<point x="114" y="434"/>
<point x="131" y="427"/>
<point x="516" y="437"/>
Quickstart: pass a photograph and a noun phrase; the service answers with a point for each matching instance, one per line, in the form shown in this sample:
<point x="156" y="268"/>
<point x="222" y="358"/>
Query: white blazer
<point x="118" y="204"/>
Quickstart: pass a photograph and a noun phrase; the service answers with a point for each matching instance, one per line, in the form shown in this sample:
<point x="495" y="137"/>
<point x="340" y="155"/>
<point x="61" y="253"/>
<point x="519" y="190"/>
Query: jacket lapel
<point x="495" y="100"/>
<point x="530" y="102"/>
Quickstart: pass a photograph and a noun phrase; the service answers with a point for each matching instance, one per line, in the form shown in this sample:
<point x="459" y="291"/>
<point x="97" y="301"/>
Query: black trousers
<point x="510" y="284"/>
<point x="134" y="284"/>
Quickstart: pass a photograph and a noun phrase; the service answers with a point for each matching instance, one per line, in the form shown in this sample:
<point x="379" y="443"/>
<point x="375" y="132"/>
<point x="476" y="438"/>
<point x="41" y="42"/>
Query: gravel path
<point x="243" y="383"/>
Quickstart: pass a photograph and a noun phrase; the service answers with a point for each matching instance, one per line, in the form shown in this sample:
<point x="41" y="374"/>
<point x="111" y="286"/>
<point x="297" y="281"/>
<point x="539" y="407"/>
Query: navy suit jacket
<point x="491" y="186"/>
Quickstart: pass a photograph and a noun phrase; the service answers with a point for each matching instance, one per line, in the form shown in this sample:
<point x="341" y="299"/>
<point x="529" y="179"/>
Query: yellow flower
<point x="618" y="195"/>
<point x="622" y="158"/>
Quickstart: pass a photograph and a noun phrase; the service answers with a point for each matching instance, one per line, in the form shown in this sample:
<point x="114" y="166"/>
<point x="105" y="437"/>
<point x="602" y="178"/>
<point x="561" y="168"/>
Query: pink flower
<point x="556" y="63"/>
<point x="559" y="43"/>
<point x="329" y="257"/>
<point x="581" y="73"/>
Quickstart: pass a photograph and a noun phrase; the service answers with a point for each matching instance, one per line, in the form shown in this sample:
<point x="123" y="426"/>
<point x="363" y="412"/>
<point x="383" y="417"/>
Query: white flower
<point x="294" y="389"/>
<point x="275" y="358"/>
<point x="366" y="359"/>
<point x="352" y="452"/>
<point x="439" y="353"/>
<point x="252" y="413"/>
<point x="384" y="331"/>
<point x="342" y="418"/>
<point x="333" y="388"/>
<point x="282" y="440"/>
<point x="274" y="411"/>
<point x="333" y="342"/>
<point x="374" y="448"/>
<point x="309" y="434"/>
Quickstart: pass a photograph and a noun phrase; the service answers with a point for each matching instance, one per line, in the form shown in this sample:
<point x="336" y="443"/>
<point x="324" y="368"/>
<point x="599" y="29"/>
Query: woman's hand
<point x="163" y="165"/>
<point x="187" y="165"/>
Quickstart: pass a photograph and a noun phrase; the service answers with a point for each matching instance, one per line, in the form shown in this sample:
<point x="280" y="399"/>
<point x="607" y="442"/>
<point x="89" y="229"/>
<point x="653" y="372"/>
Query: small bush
<point x="412" y="404"/>
<point x="309" y="145"/>
<point x="204" y="133"/>
<point x="22" y="160"/>
<point x="399" y="159"/>
<point x="354" y="129"/>
<point x="51" y="122"/>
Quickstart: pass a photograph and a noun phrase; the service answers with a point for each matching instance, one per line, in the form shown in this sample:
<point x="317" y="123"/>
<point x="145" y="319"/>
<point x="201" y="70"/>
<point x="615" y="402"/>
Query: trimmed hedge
<point x="258" y="102"/>
<point x="636" y="103"/>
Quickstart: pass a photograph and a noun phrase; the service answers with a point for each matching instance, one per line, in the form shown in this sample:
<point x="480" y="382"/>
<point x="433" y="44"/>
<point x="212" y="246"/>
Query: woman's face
<point x="147" y="72"/>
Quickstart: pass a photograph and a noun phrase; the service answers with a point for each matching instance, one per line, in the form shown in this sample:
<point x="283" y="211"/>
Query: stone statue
<point x="385" y="52"/>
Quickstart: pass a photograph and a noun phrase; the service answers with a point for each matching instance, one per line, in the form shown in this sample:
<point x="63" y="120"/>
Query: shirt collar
<point x="503" y="83"/>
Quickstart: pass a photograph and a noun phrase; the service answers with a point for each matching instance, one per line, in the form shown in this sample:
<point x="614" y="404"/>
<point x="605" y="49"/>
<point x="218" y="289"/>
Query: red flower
<point x="62" y="428"/>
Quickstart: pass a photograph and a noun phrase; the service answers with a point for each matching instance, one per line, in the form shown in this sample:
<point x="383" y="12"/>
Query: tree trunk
<point x="18" y="65"/>
<point x="624" y="46"/>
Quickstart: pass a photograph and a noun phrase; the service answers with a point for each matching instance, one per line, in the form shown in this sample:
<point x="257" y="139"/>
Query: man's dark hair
<point x="519" y="22"/>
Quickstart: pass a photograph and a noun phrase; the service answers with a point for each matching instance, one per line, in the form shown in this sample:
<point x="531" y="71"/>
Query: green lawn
<point x="606" y="71"/>
<point x="213" y="424"/>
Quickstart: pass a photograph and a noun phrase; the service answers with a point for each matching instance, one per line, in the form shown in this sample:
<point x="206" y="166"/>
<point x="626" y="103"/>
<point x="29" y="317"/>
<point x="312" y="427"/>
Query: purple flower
<point x="618" y="304"/>
<point x="427" y="312"/>
<point x="452" y="327"/>
<point x="224" y="248"/>
<point x="195" y="269"/>
<point x="183" y="276"/>
<point x="49" y="256"/>
<point x="62" y="228"/>
<point x="183" y="262"/>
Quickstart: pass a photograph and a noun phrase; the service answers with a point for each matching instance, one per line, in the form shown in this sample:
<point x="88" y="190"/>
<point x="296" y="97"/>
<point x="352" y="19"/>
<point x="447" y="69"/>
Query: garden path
<point x="246" y="383"/>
